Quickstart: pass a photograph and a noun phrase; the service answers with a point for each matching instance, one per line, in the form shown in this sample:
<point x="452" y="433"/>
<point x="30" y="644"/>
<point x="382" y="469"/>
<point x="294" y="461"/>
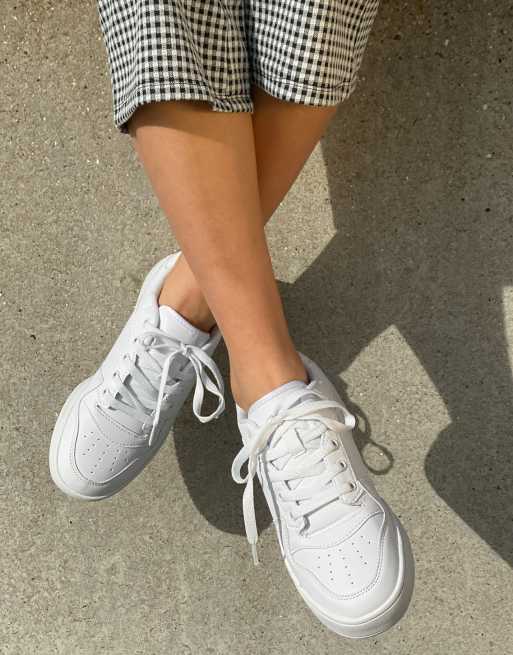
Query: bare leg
<point x="285" y="134"/>
<point x="202" y="165"/>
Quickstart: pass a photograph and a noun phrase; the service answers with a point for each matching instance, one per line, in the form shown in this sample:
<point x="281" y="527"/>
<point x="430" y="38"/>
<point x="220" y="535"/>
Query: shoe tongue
<point x="283" y="397"/>
<point x="180" y="329"/>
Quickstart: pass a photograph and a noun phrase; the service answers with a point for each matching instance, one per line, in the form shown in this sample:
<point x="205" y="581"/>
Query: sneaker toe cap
<point x="358" y="577"/>
<point x="86" y="463"/>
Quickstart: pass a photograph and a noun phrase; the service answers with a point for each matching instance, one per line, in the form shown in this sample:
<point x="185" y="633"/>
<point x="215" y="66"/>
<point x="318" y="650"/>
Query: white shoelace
<point x="329" y="451"/>
<point x="156" y="394"/>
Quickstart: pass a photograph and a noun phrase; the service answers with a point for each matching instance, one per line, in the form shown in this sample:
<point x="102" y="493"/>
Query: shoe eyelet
<point x="353" y="486"/>
<point x="343" y="466"/>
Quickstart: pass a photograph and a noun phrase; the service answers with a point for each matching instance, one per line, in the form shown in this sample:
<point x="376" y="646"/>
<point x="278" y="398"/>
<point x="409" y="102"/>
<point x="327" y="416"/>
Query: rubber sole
<point x="388" y="617"/>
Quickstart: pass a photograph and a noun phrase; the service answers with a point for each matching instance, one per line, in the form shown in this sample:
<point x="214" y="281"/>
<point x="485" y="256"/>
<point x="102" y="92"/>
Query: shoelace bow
<point x="198" y="358"/>
<point x="330" y="451"/>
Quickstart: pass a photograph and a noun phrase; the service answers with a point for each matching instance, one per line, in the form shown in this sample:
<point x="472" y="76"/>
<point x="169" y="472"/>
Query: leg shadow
<point x="418" y="176"/>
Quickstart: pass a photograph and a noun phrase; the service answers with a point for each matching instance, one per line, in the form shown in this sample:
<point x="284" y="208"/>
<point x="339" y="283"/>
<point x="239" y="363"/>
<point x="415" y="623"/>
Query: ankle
<point x="252" y="381"/>
<point x="181" y="292"/>
<point x="192" y="307"/>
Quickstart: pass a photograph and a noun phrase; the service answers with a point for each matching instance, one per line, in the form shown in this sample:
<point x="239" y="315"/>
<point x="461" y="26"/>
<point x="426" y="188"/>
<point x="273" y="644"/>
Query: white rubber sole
<point x="389" y="615"/>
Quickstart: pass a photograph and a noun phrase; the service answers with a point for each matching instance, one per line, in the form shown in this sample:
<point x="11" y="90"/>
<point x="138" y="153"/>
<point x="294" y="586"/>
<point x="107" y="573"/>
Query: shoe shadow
<point x="205" y="454"/>
<point x="418" y="168"/>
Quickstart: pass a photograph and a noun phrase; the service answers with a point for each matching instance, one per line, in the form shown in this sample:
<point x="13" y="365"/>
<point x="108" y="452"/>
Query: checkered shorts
<point x="304" y="51"/>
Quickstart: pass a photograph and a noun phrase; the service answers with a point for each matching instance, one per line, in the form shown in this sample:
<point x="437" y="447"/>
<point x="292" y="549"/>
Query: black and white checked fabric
<point x="304" y="51"/>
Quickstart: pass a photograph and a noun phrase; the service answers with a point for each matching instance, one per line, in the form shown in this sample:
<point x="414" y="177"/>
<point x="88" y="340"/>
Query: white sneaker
<point x="345" y="550"/>
<point x="114" y="422"/>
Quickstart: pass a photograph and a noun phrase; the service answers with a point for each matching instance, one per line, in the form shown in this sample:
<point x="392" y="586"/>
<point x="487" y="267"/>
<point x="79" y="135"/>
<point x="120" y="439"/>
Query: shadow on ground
<point x="419" y="169"/>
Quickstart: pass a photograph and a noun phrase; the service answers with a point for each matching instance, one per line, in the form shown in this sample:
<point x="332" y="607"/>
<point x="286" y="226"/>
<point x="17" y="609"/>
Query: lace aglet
<point x="254" y="552"/>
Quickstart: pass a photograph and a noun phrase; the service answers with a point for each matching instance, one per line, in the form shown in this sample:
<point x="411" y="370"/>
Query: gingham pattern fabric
<point x="304" y="51"/>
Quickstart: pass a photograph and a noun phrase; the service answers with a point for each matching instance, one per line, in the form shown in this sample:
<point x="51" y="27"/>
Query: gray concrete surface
<point x="394" y="246"/>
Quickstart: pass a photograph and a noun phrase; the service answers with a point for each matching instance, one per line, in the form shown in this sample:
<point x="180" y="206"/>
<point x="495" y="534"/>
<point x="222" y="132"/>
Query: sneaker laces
<point x="157" y="390"/>
<point x="321" y="457"/>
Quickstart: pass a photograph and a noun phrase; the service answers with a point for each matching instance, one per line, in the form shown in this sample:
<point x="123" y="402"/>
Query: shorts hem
<point x="148" y="93"/>
<point x="302" y="93"/>
<point x="305" y="94"/>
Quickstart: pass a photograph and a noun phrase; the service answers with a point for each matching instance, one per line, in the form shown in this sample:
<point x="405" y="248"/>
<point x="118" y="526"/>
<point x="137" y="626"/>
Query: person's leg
<point x="202" y="165"/>
<point x="285" y="133"/>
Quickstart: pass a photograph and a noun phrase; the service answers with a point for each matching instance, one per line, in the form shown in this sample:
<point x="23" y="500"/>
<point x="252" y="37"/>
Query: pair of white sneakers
<point x="344" y="548"/>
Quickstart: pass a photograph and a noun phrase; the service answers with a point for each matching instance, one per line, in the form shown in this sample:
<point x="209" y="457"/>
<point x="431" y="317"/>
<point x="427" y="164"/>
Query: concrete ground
<point x="394" y="254"/>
